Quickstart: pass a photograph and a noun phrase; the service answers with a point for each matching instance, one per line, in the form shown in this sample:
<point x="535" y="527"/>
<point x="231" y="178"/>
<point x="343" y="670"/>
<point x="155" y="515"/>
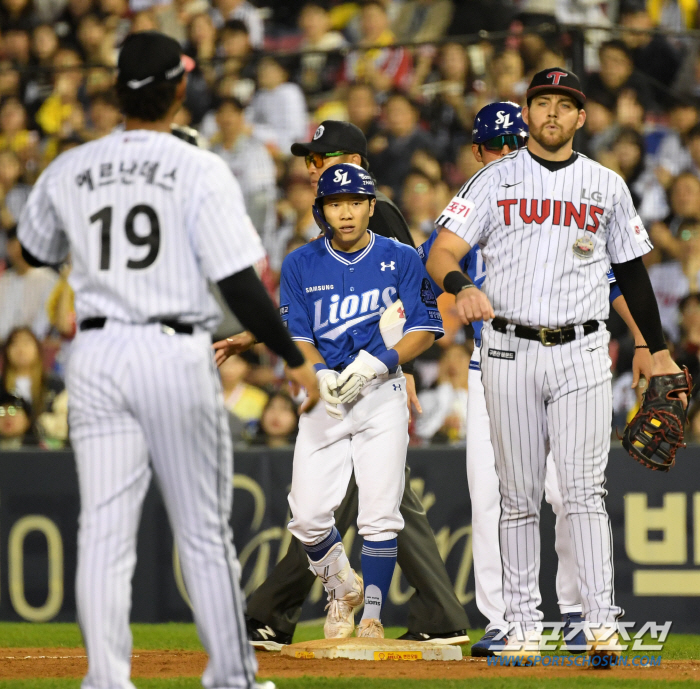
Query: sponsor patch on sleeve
<point x="284" y="310"/>
<point x="427" y="296"/>
<point x="434" y="315"/>
<point x="458" y="209"/>
<point x="640" y="234"/>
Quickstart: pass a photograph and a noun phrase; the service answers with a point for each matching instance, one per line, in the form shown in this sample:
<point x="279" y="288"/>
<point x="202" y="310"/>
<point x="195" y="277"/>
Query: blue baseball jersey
<point x="473" y="265"/>
<point x="334" y="299"/>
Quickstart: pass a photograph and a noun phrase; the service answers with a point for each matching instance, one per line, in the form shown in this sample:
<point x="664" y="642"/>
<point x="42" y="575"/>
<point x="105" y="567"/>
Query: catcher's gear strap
<point x="656" y="432"/>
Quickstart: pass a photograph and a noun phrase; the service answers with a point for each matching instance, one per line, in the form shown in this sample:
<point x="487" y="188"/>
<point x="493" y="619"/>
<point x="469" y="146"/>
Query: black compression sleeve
<point x="633" y="279"/>
<point x="251" y="304"/>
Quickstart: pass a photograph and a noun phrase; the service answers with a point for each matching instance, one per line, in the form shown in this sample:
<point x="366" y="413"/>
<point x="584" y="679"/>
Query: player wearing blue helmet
<point x="333" y="295"/>
<point x="498" y="131"/>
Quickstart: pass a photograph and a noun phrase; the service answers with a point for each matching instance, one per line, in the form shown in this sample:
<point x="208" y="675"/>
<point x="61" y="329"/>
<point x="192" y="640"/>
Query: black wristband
<point x="641" y="346"/>
<point x="455" y="282"/>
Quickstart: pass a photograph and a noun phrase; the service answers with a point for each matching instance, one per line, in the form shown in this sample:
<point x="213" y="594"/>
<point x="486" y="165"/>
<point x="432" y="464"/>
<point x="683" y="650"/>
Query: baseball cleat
<point x="605" y="646"/>
<point x="340" y="620"/>
<point x="517" y="652"/>
<point x="371" y="628"/>
<point x="262" y="637"/>
<point x="488" y="645"/>
<point x="442" y="638"/>
<point x="577" y="643"/>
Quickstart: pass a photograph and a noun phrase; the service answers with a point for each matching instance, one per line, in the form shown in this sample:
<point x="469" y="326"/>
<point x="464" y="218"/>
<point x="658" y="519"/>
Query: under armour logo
<point x="390" y="266"/>
<point x="555" y="77"/>
<point x="402" y="313"/>
<point x="397" y="386"/>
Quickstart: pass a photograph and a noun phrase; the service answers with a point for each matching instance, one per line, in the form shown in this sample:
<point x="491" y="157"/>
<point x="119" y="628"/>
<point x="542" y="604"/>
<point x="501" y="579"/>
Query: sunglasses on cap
<point x="513" y="141"/>
<point x="318" y="158"/>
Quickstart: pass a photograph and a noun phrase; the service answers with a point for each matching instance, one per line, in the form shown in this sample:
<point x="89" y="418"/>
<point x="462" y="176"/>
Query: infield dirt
<point x="28" y="663"/>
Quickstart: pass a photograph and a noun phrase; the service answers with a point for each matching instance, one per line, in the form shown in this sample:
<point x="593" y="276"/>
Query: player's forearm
<point x="620" y="305"/>
<point x="251" y="304"/>
<point x="413" y="344"/>
<point x="441" y="262"/>
<point x="633" y="279"/>
<point x="311" y="354"/>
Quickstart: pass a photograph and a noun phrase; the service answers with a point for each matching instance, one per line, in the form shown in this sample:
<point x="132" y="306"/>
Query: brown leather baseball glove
<point x="656" y="431"/>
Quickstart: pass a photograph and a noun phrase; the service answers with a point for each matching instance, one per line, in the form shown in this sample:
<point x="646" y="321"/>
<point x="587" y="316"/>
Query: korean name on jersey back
<point x="129" y="171"/>
<point x="341" y="317"/>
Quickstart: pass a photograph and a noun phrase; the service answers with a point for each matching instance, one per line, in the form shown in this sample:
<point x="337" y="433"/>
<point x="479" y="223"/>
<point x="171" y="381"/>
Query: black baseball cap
<point x="332" y="136"/>
<point x="555" y="80"/>
<point x="148" y="57"/>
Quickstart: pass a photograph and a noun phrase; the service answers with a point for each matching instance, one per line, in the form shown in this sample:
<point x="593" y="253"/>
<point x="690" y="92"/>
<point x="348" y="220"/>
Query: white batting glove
<point x="360" y="372"/>
<point x="328" y="387"/>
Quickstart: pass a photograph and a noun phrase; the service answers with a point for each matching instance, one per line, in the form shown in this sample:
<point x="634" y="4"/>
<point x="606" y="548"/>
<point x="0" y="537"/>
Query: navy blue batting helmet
<point x="344" y="178"/>
<point x="499" y="119"/>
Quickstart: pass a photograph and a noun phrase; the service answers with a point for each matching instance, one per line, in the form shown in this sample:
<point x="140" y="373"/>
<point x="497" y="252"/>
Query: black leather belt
<point x="547" y="336"/>
<point x="98" y="322"/>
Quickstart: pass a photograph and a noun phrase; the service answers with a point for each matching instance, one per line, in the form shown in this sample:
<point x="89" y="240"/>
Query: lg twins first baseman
<point x="147" y="219"/>
<point x="334" y="291"/>
<point x="549" y="223"/>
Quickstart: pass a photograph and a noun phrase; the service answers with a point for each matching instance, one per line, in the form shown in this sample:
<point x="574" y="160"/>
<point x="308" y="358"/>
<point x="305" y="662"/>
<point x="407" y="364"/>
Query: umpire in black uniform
<point x="435" y="614"/>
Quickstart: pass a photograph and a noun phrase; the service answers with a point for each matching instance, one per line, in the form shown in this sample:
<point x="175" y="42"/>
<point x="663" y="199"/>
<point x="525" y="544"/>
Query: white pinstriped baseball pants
<point x="136" y="394"/>
<point x="556" y="398"/>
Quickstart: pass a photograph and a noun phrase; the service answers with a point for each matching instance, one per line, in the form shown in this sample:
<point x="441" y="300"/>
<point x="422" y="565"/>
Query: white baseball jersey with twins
<point x="148" y="219"/>
<point x="548" y="234"/>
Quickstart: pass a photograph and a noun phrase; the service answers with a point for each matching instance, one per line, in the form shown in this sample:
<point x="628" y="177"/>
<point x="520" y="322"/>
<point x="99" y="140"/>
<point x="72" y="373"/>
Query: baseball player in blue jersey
<point x="333" y="294"/>
<point x="498" y="130"/>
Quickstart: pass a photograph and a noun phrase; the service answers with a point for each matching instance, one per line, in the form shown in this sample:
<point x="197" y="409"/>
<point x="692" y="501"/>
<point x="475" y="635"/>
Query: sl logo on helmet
<point x="341" y="177"/>
<point x="319" y="132"/>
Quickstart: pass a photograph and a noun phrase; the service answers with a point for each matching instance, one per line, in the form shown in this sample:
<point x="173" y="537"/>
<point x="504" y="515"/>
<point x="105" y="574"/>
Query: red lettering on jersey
<point x="555" y="77"/>
<point x="506" y="204"/>
<point x="459" y="208"/>
<point x="534" y="215"/>
<point x="557" y="213"/>
<point x="594" y="213"/>
<point x="578" y="215"/>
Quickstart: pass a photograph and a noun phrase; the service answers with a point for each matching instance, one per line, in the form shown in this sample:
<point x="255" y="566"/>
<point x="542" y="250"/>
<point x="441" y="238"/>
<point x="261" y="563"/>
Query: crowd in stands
<point x="267" y="72"/>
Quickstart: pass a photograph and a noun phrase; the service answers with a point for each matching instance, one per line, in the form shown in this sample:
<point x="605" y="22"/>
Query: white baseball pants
<point x="559" y="398"/>
<point x="138" y="394"/>
<point x="372" y="439"/>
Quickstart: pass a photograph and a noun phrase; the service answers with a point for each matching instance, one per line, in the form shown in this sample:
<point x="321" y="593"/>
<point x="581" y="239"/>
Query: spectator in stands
<point x="384" y="68"/>
<point x="419" y="206"/>
<point x="444" y="93"/>
<point x="627" y="156"/>
<point x="10" y="80"/>
<point x="673" y="155"/>
<point x="318" y="73"/>
<point x="675" y="15"/>
<point x="652" y="53"/>
<point x="390" y="154"/>
<point x="23" y="375"/>
<point x="14" y="133"/>
<point x="15" y="13"/>
<point x="617" y="74"/>
<point x="684" y="196"/>
<point x="13" y="192"/>
<point x="15" y="423"/>
<point x="279" y="422"/>
<point x="245" y="12"/>
<point x="16" y="45"/>
<point x="363" y="110"/>
<point x="245" y="402"/>
<point x="250" y="163"/>
<point x="66" y="25"/>
<point x="599" y="129"/>
<point x="201" y="45"/>
<point x="23" y="293"/>
<point x="688" y="353"/>
<point x="673" y="280"/>
<point x="40" y="83"/>
<point x="444" y="417"/>
<point x="277" y="112"/>
<point x="422" y="21"/>
<point x="96" y="43"/>
<point x="104" y="115"/>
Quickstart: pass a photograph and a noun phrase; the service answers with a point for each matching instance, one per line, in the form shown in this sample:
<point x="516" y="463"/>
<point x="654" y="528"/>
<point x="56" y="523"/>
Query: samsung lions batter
<point x="334" y="293"/>
<point x="550" y="222"/>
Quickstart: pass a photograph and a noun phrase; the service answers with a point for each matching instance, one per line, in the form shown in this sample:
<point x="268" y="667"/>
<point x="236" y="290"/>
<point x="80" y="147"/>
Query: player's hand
<point x="413" y="401"/>
<point x="237" y="344"/>
<point x="473" y="305"/>
<point x="642" y="366"/>
<point x="663" y="365"/>
<point x="328" y="386"/>
<point x="305" y="377"/>
<point x="351" y="381"/>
